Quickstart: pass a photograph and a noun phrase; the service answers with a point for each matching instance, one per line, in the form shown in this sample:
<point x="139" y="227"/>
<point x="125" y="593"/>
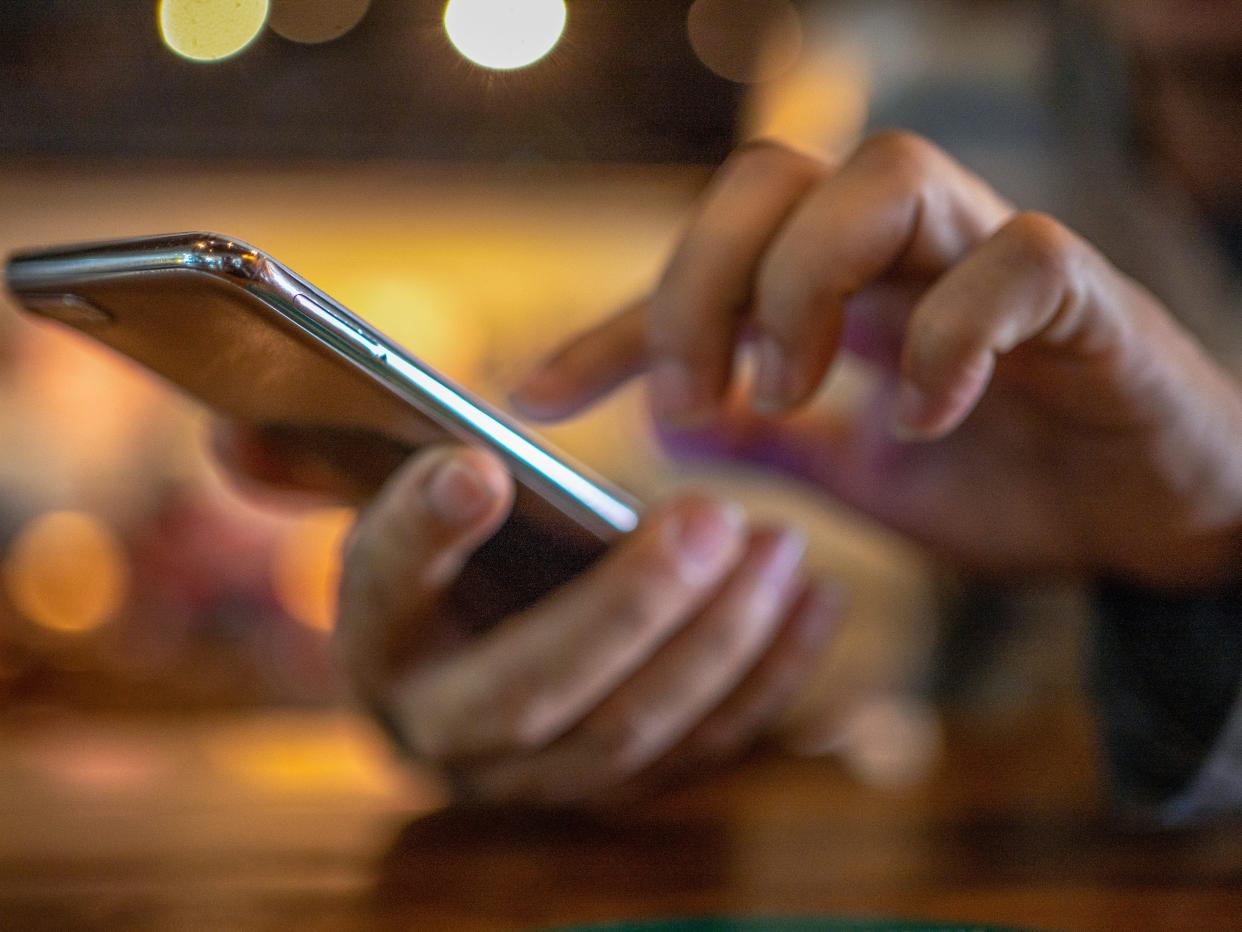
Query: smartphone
<point x="261" y="345"/>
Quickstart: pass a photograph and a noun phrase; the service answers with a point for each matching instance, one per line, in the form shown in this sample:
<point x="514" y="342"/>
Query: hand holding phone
<point x="670" y="654"/>
<point x="480" y="617"/>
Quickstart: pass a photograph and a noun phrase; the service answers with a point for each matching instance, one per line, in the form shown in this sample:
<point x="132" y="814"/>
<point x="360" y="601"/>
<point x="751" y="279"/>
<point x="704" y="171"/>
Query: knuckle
<point x="904" y="154"/>
<point x="765" y="156"/>
<point x="1043" y="242"/>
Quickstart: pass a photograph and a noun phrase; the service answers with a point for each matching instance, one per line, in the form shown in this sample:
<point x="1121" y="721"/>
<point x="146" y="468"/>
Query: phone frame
<point x="43" y="281"/>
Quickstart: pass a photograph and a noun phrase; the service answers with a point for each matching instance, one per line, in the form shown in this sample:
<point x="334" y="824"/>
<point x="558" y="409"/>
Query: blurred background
<point x="477" y="193"/>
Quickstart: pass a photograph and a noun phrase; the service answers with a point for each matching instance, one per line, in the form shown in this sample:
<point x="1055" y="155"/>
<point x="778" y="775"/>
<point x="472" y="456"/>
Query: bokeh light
<point x="746" y="42"/>
<point x="211" y="30"/>
<point x="504" y="34"/>
<point x="66" y="571"/>
<point x="307" y="566"/>
<point x="315" y="21"/>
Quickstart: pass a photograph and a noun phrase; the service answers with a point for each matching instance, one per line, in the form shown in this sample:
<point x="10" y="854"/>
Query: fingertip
<point x="585" y="369"/>
<point x="704" y="535"/>
<point x="914" y="414"/>
<point x="774" y="558"/>
<point x="773" y="390"/>
<point x="788" y="373"/>
<point x="544" y="395"/>
<point x="921" y="416"/>
<point x="489" y="467"/>
<point x="460" y="488"/>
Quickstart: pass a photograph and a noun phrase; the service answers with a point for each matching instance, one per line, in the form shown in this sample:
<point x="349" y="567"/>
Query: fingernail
<point x="909" y="412"/>
<point x="458" y="494"/>
<point x="772" y="385"/>
<point x="783" y="559"/>
<point x="706" y="537"/>
<point x="673" y="393"/>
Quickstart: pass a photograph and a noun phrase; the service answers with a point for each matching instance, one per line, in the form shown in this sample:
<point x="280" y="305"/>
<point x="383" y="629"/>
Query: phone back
<point x="259" y="345"/>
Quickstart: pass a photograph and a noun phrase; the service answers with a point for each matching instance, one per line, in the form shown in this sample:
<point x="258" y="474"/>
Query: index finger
<point x="687" y="331"/>
<point x="694" y="317"/>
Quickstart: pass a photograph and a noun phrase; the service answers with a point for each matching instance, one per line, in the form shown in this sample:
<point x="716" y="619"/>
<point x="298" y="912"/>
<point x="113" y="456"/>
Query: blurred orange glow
<point x="286" y="754"/>
<point x="504" y="35"/>
<point x="307" y="566"/>
<point x="210" y="30"/>
<point x="314" y="21"/>
<point x="746" y="42"/>
<point x="66" y="571"/>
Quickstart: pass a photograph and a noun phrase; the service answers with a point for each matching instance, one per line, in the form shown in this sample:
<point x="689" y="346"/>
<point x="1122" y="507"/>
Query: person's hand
<point x="1037" y="408"/>
<point x="675" y="649"/>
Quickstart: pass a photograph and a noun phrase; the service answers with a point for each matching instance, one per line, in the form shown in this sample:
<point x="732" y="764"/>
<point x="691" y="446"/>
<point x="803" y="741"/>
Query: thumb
<point x="409" y="545"/>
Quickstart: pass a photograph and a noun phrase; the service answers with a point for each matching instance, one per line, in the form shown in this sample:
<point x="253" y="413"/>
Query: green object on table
<point x="784" y="925"/>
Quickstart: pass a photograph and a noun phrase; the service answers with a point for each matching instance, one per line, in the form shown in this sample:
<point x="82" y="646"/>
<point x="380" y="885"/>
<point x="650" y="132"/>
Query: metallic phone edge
<point x="604" y="511"/>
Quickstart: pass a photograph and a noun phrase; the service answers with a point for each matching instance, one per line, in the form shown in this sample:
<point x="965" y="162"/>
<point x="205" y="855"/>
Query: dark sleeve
<point x="1168" y="673"/>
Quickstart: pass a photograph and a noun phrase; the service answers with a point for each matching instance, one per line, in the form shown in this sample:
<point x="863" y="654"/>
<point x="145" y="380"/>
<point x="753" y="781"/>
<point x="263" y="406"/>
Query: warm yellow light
<point x="209" y="30"/>
<point x="432" y="320"/>
<point x="66" y="571"/>
<point x="307" y="567"/>
<point x="295" y="754"/>
<point x="821" y="106"/>
<point x="504" y="34"/>
<point x="314" y="21"/>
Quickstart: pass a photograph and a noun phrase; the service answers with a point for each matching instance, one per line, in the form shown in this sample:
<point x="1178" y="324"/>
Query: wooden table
<point x="295" y="821"/>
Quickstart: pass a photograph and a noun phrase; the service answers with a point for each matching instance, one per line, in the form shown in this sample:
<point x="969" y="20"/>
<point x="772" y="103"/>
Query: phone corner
<point x="223" y="255"/>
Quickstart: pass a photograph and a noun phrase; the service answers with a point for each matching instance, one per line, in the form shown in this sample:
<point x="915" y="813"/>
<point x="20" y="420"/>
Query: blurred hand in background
<point x="1036" y="408"/>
